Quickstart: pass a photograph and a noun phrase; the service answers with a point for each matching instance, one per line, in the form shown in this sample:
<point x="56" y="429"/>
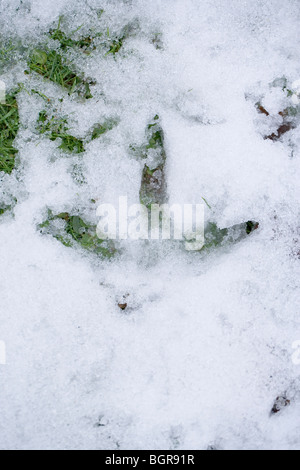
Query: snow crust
<point x="205" y="347"/>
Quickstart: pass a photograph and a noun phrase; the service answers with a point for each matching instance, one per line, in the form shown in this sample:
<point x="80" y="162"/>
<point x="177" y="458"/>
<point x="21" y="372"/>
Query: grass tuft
<point x="115" y="46"/>
<point x="57" y="128"/>
<point x="86" y="44"/>
<point x="116" y="43"/>
<point x="51" y="65"/>
<point x="9" y="126"/>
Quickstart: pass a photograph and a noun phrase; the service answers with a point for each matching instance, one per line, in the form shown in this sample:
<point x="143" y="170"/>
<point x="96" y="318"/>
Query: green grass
<point x="115" y="46"/>
<point x="115" y="43"/>
<point x="10" y="51"/>
<point x="3" y="209"/>
<point x="7" y="51"/>
<point x="6" y="208"/>
<point x="55" y="128"/>
<point x="153" y="188"/>
<point x="156" y="137"/>
<point x="85" y="43"/>
<point x="52" y="66"/>
<point x="74" y="231"/>
<point x="100" y="129"/>
<point x="9" y="126"/>
<point x="154" y="141"/>
<point x="215" y="237"/>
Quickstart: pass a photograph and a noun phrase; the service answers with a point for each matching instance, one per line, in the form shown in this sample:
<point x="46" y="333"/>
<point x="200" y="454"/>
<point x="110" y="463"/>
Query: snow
<point x="206" y="345"/>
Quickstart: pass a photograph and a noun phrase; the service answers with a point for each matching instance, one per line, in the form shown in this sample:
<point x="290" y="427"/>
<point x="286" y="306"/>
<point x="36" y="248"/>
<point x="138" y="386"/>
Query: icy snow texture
<point x="206" y="345"/>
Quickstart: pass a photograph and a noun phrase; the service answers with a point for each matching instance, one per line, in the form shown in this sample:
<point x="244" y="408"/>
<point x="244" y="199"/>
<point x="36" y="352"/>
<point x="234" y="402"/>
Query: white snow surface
<point x="206" y="345"/>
